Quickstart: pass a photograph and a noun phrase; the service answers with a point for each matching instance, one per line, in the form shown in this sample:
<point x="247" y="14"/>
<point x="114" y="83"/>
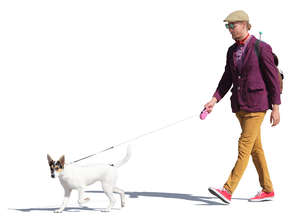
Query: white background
<point x="80" y="76"/>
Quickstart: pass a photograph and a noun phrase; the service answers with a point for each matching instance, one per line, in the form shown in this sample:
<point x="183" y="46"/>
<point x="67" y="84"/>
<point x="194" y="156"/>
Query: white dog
<point x="78" y="177"/>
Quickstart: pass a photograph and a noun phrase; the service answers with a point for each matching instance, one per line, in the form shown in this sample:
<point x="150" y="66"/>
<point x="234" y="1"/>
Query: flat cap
<point x="237" y="16"/>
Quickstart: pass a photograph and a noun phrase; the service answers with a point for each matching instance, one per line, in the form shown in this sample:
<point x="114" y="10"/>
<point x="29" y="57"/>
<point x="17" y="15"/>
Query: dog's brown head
<point x="56" y="166"/>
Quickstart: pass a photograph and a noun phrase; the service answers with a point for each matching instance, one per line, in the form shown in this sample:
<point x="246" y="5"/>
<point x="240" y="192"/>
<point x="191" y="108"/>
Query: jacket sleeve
<point x="270" y="74"/>
<point x="225" y="82"/>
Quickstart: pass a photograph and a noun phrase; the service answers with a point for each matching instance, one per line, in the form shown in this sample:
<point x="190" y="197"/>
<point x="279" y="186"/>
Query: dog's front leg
<point x="65" y="201"/>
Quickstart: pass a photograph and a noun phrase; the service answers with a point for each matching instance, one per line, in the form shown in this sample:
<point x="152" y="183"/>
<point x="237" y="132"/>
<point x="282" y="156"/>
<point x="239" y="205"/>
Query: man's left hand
<point x="275" y="116"/>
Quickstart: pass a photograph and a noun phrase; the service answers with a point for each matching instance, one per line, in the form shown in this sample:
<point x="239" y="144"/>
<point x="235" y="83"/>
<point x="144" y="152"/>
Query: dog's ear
<point x="62" y="160"/>
<point x="49" y="158"/>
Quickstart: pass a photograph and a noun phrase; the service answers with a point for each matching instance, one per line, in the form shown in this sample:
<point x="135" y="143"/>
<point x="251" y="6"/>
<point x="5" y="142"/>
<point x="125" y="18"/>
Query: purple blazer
<point x="254" y="89"/>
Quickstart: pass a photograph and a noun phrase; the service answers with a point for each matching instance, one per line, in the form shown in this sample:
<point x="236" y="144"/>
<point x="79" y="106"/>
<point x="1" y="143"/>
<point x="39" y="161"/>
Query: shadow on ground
<point x="204" y="200"/>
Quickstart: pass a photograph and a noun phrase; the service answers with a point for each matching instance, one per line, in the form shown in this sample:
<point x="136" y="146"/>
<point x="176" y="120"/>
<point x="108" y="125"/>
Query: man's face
<point x="237" y="29"/>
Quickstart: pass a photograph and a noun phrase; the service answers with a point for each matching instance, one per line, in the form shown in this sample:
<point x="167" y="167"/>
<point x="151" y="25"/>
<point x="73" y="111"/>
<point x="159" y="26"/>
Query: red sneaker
<point x="221" y="194"/>
<point x="262" y="196"/>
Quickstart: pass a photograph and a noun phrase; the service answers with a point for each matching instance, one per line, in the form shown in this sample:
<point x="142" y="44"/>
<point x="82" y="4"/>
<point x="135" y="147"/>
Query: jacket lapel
<point x="232" y="62"/>
<point x="248" y="51"/>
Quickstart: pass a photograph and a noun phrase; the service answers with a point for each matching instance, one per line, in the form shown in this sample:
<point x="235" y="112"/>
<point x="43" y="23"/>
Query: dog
<point x="77" y="177"/>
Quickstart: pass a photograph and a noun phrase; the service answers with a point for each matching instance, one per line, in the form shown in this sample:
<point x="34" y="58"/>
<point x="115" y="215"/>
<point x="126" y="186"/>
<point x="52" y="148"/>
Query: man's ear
<point x="62" y="160"/>
<point x="49" y="158"/>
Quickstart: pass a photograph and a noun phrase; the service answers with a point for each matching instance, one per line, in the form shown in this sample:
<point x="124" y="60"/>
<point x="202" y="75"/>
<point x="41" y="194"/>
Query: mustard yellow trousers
<point x="250" y="144"/>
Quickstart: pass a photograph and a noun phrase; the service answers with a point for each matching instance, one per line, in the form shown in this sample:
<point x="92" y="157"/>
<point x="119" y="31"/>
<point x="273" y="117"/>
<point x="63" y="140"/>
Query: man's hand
<point x="210" y="105"/>
<point x="275" y="116"/>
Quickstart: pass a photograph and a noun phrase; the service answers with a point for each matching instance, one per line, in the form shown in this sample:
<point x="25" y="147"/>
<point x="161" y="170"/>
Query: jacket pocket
<point x="255" y="94"/>
<point x="255" y="88"/>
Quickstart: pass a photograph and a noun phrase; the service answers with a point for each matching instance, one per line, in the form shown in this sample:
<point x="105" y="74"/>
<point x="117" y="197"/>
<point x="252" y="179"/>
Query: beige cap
<point x="237" y="16"/>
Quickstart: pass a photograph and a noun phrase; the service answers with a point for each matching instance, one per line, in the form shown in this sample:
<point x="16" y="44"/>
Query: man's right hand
<point x="210" y="105"/>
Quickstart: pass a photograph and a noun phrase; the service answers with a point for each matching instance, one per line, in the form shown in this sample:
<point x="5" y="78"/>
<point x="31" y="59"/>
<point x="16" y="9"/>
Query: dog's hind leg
<point x="108" y="190"/>
<point x="65" y="201"/>
<point x="81" y="199"/>
<point x="122" y="195"/>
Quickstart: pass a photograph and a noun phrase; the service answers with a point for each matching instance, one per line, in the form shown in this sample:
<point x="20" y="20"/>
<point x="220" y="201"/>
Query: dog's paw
<point x="122" y="204"/>
<point x="58" y="211"/>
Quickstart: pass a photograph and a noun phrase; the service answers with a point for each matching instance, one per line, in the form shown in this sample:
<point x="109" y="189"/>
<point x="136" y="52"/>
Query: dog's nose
<point x="53" y="175"/>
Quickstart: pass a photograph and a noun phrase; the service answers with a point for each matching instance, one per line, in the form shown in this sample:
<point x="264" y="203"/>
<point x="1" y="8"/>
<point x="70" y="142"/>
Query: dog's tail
<point x="125" y="159"/>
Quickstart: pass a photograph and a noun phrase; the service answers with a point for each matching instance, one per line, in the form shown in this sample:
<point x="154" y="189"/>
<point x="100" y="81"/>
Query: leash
<point x="138" y="137"/>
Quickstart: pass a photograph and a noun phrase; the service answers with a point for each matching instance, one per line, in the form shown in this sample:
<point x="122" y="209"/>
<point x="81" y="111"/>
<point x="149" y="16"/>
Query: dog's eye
<point x="58" y="165"/>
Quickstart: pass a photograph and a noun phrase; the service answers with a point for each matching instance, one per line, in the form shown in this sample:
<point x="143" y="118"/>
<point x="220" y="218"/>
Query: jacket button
<point x="239" y="88"/>
<point x="239" y="77"/>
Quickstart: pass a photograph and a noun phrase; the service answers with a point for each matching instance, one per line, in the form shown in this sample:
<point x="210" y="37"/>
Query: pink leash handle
<point x="203" y="114"/>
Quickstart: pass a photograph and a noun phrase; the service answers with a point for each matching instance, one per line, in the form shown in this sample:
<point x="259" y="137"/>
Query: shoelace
<point x="259" y="193"/>
<point x="223" y="189"/>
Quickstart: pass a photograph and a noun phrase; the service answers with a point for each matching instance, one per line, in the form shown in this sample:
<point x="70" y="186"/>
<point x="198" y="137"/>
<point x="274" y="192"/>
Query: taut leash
<point x="138" y="137"/>
<point x="75" y="161"/>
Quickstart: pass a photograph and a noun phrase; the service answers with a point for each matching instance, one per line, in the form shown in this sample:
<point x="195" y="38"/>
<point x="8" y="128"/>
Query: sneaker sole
<point x="218" y="195"/>
<point x="261" y="200"/>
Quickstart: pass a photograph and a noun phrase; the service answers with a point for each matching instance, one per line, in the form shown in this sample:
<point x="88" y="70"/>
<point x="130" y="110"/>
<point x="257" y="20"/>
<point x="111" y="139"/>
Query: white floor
<point x="167" y="176"/>
<point x="80" y="76"/>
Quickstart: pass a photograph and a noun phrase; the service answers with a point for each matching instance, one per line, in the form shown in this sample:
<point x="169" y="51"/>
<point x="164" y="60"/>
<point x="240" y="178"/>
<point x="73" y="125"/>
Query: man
<point x="255" y="90"/>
